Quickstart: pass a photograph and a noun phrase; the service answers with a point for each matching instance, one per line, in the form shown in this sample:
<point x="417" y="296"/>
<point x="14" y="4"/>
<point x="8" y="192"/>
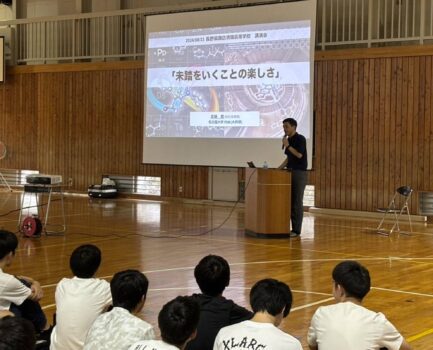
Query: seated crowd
<point x="94" y="314"/>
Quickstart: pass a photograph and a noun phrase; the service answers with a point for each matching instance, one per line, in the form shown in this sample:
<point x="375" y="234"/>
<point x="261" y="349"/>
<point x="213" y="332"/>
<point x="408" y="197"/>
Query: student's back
<point x="213" y="275"/>
<point x="271" y="301"/>
<point x="79" y="300"/>
<point x="352" y="327"/>
<point x="255" y="335"/>
<point x="78" y="303"/>
<point x="177" y="322"/>
<point x="120" y="328"/>
<point x="215" y="313"/>
<point x="348" y="325"/>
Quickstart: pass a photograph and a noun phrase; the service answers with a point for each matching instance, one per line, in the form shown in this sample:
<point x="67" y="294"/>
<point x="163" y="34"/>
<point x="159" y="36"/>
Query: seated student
<point x="20" y="294"/>
<point x="120" y="328"/>
<point x="348" y="325"/>
<point x="177" y="321"/>
<point x="271" y="301"/>
<point x="213" y="275"/>
<point x="16" y="333"/>
<point x="79" y="300"/>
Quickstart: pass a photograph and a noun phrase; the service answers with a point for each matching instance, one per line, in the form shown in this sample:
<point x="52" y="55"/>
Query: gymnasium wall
<point x="373" y="127"/>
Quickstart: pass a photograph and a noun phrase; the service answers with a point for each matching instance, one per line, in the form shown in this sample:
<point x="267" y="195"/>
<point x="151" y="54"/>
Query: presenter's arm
<point x="283" y="164"/>
<point x="293" y="151"/>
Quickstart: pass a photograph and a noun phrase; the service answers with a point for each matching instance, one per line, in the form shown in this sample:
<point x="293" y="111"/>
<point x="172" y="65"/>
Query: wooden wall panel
<point x="373" y="128"/>
<point x="19" y="121"/>
<point x="83" y="124"/>
<point x="377" y="113"/>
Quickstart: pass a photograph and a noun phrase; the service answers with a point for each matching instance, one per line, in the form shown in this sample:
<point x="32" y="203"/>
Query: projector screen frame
<point x="269" y="147"/>
<point x="2" y="59"/>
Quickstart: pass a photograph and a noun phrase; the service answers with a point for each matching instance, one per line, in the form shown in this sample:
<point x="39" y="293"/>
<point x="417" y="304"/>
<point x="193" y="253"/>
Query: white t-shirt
<point x="255" y="335"/>
<point x="153" y="345"/>
<point x="352" y="327"/>
<point x="117" y="329"/>
<point x="79" y="301"/>
<point x="12" y="291"/>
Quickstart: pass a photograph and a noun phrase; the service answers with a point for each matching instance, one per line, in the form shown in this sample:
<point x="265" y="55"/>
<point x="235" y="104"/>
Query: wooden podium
<point x="267" y="202"/>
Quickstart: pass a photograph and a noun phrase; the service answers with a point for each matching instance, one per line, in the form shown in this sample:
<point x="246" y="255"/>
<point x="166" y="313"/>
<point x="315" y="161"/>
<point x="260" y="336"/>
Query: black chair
<point x="398" y="206"/>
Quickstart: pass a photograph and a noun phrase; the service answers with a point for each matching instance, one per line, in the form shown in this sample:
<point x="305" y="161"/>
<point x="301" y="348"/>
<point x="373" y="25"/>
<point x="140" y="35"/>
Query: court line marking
<point x="120" y="210"/>
<point x="204" y="238"/>
<point x="419" y="335"/>
<point x="270" y="262"/>
<point x="201" y="238"/>
<point x="184" y="268"/>
<point x="413" y="338"/>
<point x="311" y="304"/>
<point x="301" y="307"/>
<point x="403" y="292"/>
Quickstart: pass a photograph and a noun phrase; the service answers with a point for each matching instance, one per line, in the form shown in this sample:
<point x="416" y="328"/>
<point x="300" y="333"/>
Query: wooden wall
<point x="83" y="121"/>
<point x="373" y="129"/>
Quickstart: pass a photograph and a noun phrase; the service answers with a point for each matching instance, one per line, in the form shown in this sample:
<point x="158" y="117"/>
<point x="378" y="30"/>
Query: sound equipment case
<point x="102" y="191"/>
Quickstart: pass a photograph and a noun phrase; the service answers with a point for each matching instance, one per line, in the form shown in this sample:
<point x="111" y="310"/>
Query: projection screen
<point x="218" y="84"/>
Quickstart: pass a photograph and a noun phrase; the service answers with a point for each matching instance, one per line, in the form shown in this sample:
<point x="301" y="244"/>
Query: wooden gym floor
<point x="165" y="240"/>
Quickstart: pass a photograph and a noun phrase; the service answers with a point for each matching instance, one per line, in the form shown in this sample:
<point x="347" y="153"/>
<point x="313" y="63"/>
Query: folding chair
<point x="398" y="206"/>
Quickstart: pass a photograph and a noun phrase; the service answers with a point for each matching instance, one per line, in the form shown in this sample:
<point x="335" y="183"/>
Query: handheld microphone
<point x="282" y="146"/>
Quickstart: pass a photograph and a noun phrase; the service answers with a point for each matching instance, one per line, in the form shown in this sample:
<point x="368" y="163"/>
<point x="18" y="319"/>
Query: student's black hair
<point x="85" y="261"/>
<point x="16" y="333"/>
<point x="128" y="288"/>
<point x="212" y="275"/>
<point x="353" y="277"/>
<point x="178" y="320"/>
<point x="291" y="121"/>
<point x="8" y="243"/>
<point x="271" y="296"/>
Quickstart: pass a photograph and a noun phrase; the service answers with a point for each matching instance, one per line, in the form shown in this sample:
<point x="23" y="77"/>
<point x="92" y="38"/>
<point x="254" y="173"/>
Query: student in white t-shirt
<point x="20" y="294"/>
<point x="79" y="300"/>
<point x="177" y="321"/>
<point x="348" y="325"/>
<point x="271" y="301"/>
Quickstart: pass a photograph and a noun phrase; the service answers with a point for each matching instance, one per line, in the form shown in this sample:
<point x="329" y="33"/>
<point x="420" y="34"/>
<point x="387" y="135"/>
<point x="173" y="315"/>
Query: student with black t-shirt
<point x="213" y="275"/>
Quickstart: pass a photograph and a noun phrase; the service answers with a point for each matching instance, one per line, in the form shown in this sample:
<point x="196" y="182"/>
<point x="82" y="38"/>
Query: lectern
<point x="267" y="202"/>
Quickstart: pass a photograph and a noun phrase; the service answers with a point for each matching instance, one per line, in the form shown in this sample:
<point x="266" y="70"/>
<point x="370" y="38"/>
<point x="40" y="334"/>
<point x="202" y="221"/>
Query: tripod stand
<point x="2" y="156"/>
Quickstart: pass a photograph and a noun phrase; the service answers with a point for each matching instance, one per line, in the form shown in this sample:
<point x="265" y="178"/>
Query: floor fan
<point x="3" y="153"/>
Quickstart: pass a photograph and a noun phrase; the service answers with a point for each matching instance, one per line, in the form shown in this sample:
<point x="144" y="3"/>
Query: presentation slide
<point x="212" y="88"/>
<point x="228" y="82"/>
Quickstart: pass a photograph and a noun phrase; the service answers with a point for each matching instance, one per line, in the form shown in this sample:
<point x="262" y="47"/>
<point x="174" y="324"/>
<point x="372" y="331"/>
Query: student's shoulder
<point x="327" y="312"/>
<point x="141" y="323"/>
<point x="4" y="276"/>
<point x="213" y="301"/>
<point x="379" y="317"/>
<point x="101" y="282"/>
<point x="280" y="338"/>
<point x="234" y="328"/>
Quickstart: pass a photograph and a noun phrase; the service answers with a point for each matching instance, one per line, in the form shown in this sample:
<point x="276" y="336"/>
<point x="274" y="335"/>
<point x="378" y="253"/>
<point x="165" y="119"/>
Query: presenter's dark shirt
<point x="299" y="143"/>
<point x="215" y="313"/>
